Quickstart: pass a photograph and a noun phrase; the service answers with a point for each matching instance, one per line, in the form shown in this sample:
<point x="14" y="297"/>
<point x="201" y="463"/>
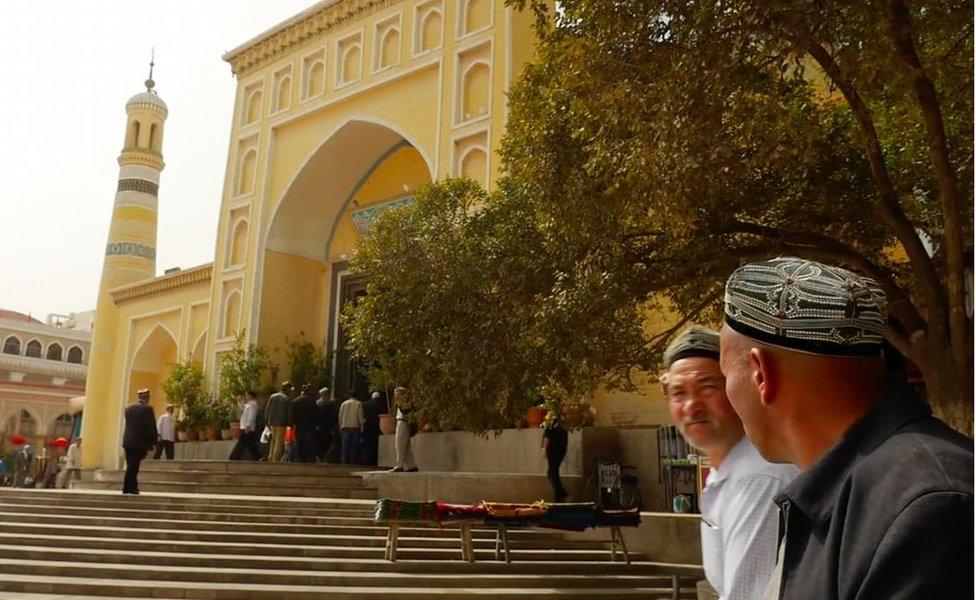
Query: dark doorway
<point x="349" y="374"/>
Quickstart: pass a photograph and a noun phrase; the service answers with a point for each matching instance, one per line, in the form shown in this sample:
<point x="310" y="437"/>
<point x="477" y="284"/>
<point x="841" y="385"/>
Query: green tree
<point x="184" y="387"/>
<point x="241" y="369"/>
<point x="653" y="147"/>
<point x="309" y="364"/>
<point x="697" y="136"/>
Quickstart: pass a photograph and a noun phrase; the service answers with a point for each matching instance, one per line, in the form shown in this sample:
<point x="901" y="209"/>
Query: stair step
<point x="224" y="591"/>
<point x="449" y="552"/>
<point x="261" y="562"/>
<point x="196" y="574"/>
<point x="268" y="489"/>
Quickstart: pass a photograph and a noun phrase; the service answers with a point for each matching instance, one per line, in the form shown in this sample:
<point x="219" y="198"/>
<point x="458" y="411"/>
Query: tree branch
<point x="900" y="28"/>
<point x="888" y="206"/>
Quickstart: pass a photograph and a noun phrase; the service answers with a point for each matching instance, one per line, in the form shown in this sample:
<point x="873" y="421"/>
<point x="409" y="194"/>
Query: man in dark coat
<point x="303" y="411"/>
<point x="555" y="443"/>
<point x="326" y="424"/>
<point x="883" y="506"/>
<point x="372" y="409"/>
<point x="138" y="439"/>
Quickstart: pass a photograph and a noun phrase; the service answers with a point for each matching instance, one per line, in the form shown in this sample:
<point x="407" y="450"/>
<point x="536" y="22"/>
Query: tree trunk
<point x="949" y="390"/>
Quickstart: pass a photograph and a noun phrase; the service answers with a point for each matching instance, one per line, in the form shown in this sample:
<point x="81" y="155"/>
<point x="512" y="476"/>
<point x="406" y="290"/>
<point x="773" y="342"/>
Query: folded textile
<point x="569" y="516"/>
<point x="389" y="510"/>
<point x="501" y="510"/>
<point x="453" y="513"/>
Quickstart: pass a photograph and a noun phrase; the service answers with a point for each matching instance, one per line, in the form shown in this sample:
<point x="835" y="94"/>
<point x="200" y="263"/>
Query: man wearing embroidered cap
<point x="138" y="439"/>
<point x="739" y="519"/>
<point x="883" y="507"/>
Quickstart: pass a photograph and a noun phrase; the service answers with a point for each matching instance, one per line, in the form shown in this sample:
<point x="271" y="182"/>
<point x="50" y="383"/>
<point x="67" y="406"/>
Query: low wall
<point x="519" y="451"/>
<point x="218" y="450"/>
<point x="466" y="488"/>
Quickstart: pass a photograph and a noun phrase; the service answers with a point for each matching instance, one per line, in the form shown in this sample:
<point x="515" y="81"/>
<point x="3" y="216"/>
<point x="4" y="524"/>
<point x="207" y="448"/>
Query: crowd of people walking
<point x="309" y="427"/>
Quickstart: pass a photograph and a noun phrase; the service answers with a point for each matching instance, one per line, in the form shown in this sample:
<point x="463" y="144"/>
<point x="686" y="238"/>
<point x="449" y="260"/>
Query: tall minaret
<point x="130" y="256"/>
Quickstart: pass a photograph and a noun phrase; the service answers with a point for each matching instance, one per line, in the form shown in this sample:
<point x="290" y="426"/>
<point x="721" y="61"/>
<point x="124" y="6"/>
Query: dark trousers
<point x="169" y="447"/>
<point x="553" y="474"/>
<point x="305" y="444"/>
<point x="133" y="458"/>
<point x="246" y="441"/>
<point x="371" y="442"/>
<point x="350" y="445"/>
<point x="323" y="441"/>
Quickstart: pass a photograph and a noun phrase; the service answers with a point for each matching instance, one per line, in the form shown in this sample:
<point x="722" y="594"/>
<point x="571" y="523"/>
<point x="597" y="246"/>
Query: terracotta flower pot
<point x="191" y="435"/>
<point x="387" y="424"/>
<point x="235" y="430"/>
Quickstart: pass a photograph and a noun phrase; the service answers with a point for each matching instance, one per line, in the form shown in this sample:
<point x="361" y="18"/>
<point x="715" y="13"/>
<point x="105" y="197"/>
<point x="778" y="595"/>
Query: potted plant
<point x="380" y="379"/>
<point x="240" y="372"/>
<point x="184" y="387"/>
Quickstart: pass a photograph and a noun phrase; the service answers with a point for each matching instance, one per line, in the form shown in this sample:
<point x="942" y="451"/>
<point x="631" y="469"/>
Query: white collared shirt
<point x="249" y="416"/>
<point x="740" y="522"/>
<point x="166" y="428"/>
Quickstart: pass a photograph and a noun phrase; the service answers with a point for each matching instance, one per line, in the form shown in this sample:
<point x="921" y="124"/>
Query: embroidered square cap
<point x="807" y="306"/>
<point x="694" y="341"/>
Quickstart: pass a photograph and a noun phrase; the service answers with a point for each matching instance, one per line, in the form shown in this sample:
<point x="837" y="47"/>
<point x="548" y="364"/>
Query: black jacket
<point x="372" y="409"/>
<point x="326" y="417"/>
<point x="140" y="427"/>
<point x="303" y="410"/>
<point x="886" y="514"/>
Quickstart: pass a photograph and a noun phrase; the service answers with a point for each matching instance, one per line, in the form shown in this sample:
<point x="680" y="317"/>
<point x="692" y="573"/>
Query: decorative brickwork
<point x="130" y="249"/>
<point x="138" y="185"/>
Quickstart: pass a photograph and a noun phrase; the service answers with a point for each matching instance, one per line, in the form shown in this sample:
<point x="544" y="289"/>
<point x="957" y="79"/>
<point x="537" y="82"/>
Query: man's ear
<point x="763" y="377"/>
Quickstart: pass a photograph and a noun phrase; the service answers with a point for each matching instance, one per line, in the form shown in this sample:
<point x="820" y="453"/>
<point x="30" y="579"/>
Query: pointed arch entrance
<point x="150" y="366"/>
<point x="362" y="169"/>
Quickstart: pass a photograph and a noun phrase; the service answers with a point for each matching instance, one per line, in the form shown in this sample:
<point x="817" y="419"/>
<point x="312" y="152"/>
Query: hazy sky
<point x="68" y="69"/>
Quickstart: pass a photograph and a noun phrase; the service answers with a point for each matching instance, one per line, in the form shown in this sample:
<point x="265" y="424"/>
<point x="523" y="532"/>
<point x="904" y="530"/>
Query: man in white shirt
<point x="166" y="427"/>
<point x="739" y="519"/>
<point x="404" y="452"/>
<point x="72" y="463"/>
<point x="248" y="438"/>
<point x="351" y="427"/>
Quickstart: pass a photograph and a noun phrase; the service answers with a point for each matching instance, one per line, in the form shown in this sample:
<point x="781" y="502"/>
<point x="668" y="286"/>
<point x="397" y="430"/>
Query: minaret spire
<point x="150" y="84"/>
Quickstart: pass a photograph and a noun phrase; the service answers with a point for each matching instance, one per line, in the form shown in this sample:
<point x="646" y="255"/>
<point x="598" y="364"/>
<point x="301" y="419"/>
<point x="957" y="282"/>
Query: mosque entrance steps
<point x="238" y="478"/>
<point x="75" y="543"/>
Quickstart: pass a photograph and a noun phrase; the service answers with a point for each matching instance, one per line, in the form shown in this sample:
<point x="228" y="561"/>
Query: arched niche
<point x="477" y="15"/>
<point x="246" y="172"/>
<point x="238" y="243"/>
<point x="350" y="66"/>
<point x="431" y="27"/>
<point x="33" y="349"/>
<point x="315" y="79"/>
<point x="55" y="351"/>
<point x="283" y="93"/>
<point x="389" y="50"/>
<point x="475" y="91"/>
<point x="76" y="355"/>
<point x="474" y="165"/>
<point x="11" y="345"/>
<point x="252" y="111"/>
<point x="232" y="314"/>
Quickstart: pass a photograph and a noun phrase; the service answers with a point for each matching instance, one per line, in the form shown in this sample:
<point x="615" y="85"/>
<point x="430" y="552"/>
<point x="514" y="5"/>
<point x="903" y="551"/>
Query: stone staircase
<point x="87" y="544"/>
<point x="246" y="478"/>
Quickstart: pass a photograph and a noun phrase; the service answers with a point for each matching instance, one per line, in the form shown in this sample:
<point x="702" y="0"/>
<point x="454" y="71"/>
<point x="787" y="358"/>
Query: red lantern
<point x="18" y="439"/>
<point x="60" y="443"/>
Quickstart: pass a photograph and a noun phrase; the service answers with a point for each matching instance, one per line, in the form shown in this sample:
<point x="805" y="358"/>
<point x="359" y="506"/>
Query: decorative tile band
<point x="130" y="249"/>
<point x="138" y="185"/>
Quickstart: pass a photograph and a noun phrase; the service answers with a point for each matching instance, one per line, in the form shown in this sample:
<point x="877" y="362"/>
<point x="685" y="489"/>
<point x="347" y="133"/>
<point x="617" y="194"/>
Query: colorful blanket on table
<point x="455" y="513"/>
<point x="388" y="510"/>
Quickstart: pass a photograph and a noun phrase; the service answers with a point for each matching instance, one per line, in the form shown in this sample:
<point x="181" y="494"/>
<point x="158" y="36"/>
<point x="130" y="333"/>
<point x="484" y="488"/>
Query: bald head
<point x="795" y="405"/>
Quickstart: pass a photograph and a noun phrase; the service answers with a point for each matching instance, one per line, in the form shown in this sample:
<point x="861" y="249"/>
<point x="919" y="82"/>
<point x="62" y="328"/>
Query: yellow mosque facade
<point x="340" y="112"/>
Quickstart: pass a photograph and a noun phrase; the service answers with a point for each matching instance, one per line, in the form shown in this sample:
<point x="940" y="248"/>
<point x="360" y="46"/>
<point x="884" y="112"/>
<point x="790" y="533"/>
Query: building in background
<point x="43" y="366"/>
